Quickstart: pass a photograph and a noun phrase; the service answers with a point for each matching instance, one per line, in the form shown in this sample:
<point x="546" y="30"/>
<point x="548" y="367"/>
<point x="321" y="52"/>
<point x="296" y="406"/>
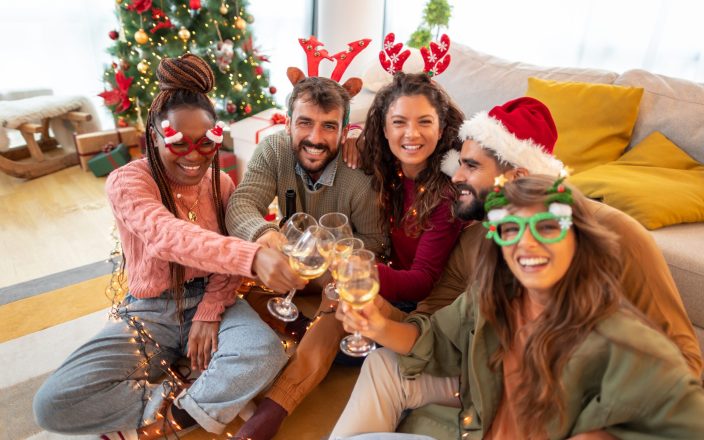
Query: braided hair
<point x="184" y="83"/>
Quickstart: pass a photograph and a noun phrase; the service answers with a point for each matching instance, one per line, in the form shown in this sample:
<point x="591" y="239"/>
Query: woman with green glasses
<point x="542" y="346"/>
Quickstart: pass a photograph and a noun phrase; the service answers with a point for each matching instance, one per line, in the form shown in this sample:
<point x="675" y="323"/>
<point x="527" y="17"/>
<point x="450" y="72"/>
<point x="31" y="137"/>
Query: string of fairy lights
<point x="240" y="95"/>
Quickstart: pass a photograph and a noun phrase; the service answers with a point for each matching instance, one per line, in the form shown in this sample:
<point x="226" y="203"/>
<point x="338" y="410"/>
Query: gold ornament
<point x="143" y="67"/>
<point x="184" y="34"/>
<point x="240" y="23"/>
<point x="141" y="37"/>
<point x="237" y="87"/>
<point x="224" y="9"/>
<point x="119" y="2"/>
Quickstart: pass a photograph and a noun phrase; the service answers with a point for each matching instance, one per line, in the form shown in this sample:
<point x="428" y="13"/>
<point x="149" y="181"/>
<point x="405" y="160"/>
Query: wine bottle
<point x="290" y="206"/>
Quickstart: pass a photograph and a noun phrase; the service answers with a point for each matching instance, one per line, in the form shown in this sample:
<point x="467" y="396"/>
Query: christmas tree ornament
<point x="258" y="70"/>
<point x="119" y="2"/>
<point x="141" y="37"/>
<point x="140" y="6"/>
<point x="114" y="35"/>
<point x="248" y="109"/>
<point x="184" y="34"/>
<point x="118" y="96"/>
<point x="272" y="90"/>
<point x="224" y="52"/>
<point x="237" y="87"/>
<point x="121" y="122"/>
<point x="125" y="65"/>
<point x="143" y="67"/>
<point x="161" y="21"/>
<point x="194" y="4"/>
<point x="114" y="65"/>
<point x="224" y="9"/>
<point x="240" y="23"/>
<point x="230" y="107"/>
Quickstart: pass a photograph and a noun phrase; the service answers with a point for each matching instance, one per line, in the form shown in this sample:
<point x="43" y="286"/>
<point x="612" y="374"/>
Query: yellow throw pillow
<point x="656" y="183"/>
<point x="594" y="121"/>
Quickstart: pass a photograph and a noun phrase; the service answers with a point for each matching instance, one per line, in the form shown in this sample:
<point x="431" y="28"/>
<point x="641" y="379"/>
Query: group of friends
<point x="504" y="293"/>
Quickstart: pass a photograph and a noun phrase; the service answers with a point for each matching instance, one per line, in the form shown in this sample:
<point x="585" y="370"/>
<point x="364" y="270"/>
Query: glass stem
<point x="289" y="297"/>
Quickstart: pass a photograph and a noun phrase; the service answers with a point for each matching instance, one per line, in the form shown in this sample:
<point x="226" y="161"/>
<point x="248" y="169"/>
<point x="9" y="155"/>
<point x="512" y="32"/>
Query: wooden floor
<point x="62" y="221"/>
<point x="51" y="224"/>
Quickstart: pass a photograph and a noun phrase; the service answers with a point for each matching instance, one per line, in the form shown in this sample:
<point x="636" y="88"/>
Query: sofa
<point x="674" y="107"/>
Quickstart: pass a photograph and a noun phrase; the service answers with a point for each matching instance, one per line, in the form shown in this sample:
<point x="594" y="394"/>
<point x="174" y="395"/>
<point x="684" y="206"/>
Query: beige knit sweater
<point x="271" y="171"/>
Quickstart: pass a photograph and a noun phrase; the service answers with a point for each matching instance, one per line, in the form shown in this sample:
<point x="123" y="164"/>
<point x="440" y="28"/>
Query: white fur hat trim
<point x="496" y="214"/>
<point x="450" y="162"/>
<point x="214" y="137"/>
<point x="170" y="136"/>
<point x="560" y="209"/>
<point x="491" y="134"/>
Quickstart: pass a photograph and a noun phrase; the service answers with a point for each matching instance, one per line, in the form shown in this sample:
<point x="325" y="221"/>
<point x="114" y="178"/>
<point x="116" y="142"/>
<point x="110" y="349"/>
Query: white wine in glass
<point x="358" y="283"/>
<point x="310" y="258"/>
<point x="342" y="250"/>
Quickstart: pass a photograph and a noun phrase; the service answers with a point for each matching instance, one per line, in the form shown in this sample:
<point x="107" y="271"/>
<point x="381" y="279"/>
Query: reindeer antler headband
<point x="436" y="59"/>
<point x="315" y="55"/>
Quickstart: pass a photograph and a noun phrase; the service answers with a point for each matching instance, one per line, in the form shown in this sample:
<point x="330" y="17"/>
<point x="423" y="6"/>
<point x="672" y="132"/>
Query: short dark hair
<point x="322" y="92"/>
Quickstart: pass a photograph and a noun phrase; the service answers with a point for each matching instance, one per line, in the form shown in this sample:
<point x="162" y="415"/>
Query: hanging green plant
<point x="436" y="16"/>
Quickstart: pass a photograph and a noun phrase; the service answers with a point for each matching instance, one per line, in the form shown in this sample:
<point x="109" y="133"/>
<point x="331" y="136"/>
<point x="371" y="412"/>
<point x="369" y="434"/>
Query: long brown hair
<point x="382" y="165"/>
<point x="184" y="83"/>
<point x="588" y="292"/>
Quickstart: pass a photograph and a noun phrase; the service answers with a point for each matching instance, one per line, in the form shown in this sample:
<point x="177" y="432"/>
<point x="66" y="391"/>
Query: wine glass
<point x="294" y="228"/>
<point x="342" y="250"/>
<point x="310" y="258"/>
<point x="358" y="284"/>
<point x="338" y="224"/>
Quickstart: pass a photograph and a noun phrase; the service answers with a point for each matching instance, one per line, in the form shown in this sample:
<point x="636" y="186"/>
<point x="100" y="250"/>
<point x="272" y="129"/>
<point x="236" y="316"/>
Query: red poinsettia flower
<point x="140" y="6"/>
<point x="119" y="95"/>
<point x="161" y="20"/>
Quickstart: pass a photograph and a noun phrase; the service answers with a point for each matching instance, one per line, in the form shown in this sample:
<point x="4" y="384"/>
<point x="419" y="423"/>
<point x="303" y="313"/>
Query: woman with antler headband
<point x="411" y="125"/>
<point x="182" y="274"/>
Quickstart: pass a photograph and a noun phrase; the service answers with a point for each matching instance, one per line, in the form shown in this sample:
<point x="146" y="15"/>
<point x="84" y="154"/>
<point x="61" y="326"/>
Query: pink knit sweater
<point x="152" y="236"/>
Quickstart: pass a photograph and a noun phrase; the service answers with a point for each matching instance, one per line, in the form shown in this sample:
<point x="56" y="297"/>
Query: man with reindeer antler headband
<point x="304" y="158"/>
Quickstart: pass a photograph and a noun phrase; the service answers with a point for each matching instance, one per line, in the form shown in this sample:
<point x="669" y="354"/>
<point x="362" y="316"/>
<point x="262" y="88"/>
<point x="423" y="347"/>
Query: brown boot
<point x="264" y="423"/>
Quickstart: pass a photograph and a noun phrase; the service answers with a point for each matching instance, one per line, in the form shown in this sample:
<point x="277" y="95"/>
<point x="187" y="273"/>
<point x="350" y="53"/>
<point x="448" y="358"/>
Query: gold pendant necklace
<point x="191" y="212"/>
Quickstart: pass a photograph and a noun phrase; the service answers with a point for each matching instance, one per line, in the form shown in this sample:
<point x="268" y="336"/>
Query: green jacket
<point x="625" y="377"/>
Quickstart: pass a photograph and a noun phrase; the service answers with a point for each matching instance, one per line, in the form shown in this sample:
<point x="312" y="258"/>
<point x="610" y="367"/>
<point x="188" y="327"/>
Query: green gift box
<point x="110" y="159"/>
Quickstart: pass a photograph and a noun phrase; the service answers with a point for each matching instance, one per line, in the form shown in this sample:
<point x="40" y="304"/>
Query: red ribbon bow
<point x="278" y="118"/>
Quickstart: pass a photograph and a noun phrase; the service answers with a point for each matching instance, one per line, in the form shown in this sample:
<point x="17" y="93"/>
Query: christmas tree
<point x="216" y="30"/>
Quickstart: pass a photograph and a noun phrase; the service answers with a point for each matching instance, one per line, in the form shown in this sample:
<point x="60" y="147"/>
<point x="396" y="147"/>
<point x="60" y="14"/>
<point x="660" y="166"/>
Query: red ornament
<point x="113" y="34"/>
<point x="140" y="6"/>
<point x="194" y="4"/>
<point x="258" y="70"/>
<point x="497" y="189"/>
<point x="230" y="107"/>
<point x="121" y="122"/>
<point x="248" y="109"/>
<point x="114" y="65"/>
<point x="560" y="188"/>
<point x="492" y="228"/>
<point x="272" y="90"/>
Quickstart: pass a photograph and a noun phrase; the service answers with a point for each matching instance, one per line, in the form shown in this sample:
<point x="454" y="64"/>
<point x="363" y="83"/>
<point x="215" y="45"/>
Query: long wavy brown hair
<point x="588" y="292"/>
<point x="382" y="165"/>
<point x="184" y="82"/>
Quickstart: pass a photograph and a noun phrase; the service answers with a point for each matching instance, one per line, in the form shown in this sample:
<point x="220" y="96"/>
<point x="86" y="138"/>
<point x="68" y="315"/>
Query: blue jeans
<point x="106" y="385"/>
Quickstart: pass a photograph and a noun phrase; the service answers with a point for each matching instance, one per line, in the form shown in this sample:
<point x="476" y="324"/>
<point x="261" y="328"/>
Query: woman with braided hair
<point x="183" y="271"/>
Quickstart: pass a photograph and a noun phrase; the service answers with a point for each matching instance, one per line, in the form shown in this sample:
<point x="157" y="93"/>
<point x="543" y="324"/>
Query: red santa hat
<point x="215" y="133"/>
<point x="170" y="135"/>
<point x="521" y="133"/>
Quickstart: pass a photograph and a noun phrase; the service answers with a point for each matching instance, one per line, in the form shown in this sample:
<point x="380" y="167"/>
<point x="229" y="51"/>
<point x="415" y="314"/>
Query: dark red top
<point x="417" y="262"/>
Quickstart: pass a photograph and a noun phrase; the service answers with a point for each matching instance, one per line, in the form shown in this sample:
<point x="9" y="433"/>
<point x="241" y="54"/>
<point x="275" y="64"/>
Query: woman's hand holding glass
<point x="358" y="284"/>
<point x="310" y="257"/>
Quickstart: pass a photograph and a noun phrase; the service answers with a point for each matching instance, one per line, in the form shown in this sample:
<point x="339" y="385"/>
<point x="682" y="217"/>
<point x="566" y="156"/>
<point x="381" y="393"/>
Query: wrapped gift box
<point x="90" y="144"/>
<point x="248" y="132"/>
<point x="228" y="164"/>
<point x="104" y="162"/>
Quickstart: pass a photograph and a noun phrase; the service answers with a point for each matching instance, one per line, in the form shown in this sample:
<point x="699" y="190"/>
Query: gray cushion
<point x="672" y="106"/>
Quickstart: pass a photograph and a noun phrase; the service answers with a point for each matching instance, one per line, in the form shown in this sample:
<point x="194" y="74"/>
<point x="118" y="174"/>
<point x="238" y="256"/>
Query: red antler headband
<point x="436" y="59"/>
<point x="342" y="59"/>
